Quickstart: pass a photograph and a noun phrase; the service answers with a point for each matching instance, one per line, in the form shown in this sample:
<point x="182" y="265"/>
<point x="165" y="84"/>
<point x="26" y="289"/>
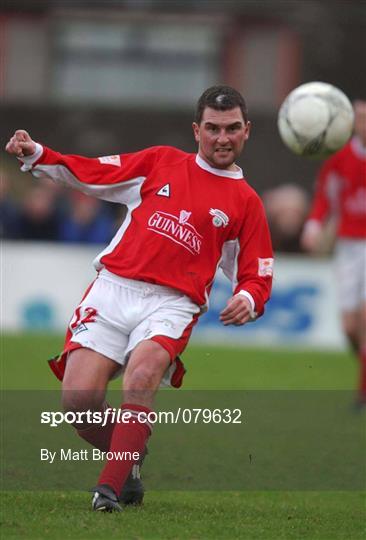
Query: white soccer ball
<point x="315" y="120"/>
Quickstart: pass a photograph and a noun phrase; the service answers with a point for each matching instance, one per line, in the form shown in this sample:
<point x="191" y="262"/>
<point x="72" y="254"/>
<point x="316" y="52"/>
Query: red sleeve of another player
<point x="255" y="258"/>
<point x="321" y="205"/>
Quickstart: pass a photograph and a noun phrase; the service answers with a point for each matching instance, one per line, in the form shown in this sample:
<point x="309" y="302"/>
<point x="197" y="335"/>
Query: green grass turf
<point x="190" y="514"/>
<point x="210" y="367"/>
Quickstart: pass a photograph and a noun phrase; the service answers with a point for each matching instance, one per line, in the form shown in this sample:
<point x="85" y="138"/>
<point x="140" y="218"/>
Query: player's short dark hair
<point x="220" y="98"/>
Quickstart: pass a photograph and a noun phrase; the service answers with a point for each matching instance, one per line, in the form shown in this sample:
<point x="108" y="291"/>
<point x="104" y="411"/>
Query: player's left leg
<point x="167" y="317"/>
<point x="351" y="280"/>
<point x="133" y="489"/>
<point x="147" y="364"/>
<point x="354" y="326"/>
<point x="350" y="325"/>
<point x="145" y="369"/>
<point x="362" y="354"/>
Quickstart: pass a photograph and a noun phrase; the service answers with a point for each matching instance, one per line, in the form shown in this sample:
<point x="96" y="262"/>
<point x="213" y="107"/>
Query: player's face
<point x="360" y="120"/>
<point x="221" y="136"/>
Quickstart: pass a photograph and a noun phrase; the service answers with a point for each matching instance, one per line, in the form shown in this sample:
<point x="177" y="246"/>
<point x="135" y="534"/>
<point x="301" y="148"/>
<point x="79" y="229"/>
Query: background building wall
<point x="116" y="76"/>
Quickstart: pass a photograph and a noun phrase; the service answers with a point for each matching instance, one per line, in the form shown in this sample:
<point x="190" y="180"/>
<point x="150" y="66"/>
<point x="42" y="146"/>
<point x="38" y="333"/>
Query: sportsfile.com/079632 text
<point x="180" y="415"/>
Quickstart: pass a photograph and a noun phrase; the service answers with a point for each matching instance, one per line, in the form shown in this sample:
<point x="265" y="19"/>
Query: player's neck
<point x="236" y="172"/>
<point x="358" y="146"/>
<point x="233" y="167"/>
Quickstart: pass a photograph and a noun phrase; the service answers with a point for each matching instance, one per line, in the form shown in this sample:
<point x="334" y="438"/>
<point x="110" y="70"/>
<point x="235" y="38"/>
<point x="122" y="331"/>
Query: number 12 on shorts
<point x="82" y="316"/>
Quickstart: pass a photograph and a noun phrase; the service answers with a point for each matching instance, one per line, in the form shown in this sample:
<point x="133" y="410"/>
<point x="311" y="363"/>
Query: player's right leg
<point x="83" y="388"/>
<point x="86" y="379"/>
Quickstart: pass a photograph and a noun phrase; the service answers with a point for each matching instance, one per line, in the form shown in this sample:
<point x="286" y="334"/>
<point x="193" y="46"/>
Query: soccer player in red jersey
<point x="341" y="192"/>
<point x="187" y="214"/>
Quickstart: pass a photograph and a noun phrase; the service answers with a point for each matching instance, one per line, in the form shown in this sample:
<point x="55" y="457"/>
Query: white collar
<point x="357" y="147"/>
<point x="238" y="175"/>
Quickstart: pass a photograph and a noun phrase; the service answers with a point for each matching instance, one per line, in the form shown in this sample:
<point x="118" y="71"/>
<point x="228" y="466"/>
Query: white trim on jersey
<point x="204" y="308"/>
<point x="229" y="265"/>
<point x="29" y="160"/>
<point x="251" y="300"/>
<point x="135" y="201"/>
<point x="127" y="192"/>
<point x="118" y="193"/>
<point x="236" y="175"/>
<point x="229" y="260"/>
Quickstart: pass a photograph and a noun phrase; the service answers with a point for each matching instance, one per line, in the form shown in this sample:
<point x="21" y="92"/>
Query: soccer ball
<point x="315" y="120"/>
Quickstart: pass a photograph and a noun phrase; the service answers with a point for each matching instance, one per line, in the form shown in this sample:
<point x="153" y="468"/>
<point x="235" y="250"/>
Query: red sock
<point x="128" y="436"/>
<point x="99" y="435"/>
<point x="362" y="387"/>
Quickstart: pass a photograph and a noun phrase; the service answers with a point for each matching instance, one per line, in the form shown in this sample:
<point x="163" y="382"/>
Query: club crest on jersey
<point x="176" y="228"/>
<point x="110" y="160"/>
<point x="219" y="219"/>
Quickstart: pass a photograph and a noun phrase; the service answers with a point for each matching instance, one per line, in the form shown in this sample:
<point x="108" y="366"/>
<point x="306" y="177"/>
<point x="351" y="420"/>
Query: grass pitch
<point x="190" y="514"/>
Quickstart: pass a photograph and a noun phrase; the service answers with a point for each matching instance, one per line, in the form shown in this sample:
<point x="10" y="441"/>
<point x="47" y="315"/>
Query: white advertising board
<point x="42" y="283"/>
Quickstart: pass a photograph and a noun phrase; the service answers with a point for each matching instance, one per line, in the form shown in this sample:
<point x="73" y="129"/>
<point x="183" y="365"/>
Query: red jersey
<point x="341" y="190"/>
<point x="184" y="219"/>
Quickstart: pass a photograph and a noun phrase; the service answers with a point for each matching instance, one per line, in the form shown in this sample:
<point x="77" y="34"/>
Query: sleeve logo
<point x="110" y="160"/>
<point x="265" y="267"/>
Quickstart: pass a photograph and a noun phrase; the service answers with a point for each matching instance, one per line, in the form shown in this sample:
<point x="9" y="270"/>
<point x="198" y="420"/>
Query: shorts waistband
<point x="141" y="286"/>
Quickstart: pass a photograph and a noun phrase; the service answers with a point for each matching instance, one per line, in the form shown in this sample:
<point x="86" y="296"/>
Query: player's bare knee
<point x="141" y="378"/>
<point x="140" y="385"/>
<point x="140" y="397"/>
<point x="74" y="400"/>
<point x="146" y="366"/>
<point x="351" y="333"/>
<point x="363" y="326"/>
<point x="350" y="324"/>
<point x="78" y="396"/>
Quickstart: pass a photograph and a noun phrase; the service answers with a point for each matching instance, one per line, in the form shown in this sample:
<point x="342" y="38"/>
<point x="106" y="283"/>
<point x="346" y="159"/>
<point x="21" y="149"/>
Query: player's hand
<point x="238" y="311"/>
<point x="21" y="144"/>
<point x="310" y="239"/>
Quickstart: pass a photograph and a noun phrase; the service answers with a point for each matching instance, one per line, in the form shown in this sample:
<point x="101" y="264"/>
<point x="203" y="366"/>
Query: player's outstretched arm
<point x="21" y="144"/>
<point x="106" y="177"/>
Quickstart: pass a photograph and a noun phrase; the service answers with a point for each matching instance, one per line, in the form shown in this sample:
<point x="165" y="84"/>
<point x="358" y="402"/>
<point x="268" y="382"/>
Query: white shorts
<point x="350" y="260"/>
<point x="118" y="313"/>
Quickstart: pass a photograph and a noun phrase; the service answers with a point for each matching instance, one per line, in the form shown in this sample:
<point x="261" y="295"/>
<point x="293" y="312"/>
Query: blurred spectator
<point x="286" y="207"/>
<point x="39" y="216"/>
<point x="9" y="211"/>
<point x="87" y="221"/>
